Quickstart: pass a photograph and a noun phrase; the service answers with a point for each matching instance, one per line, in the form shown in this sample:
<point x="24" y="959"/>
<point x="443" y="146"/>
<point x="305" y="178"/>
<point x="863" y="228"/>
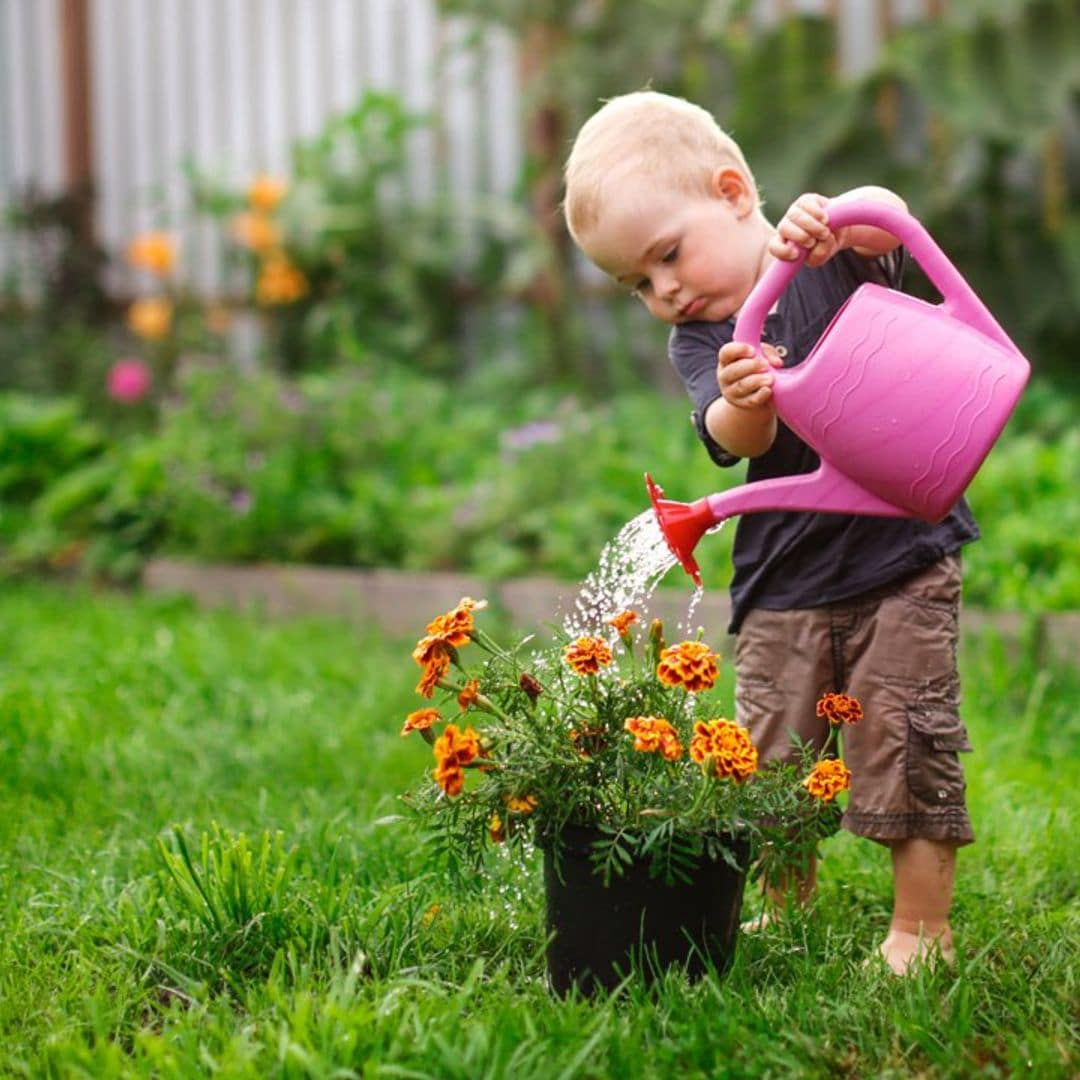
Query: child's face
<point x="689" y="258"/>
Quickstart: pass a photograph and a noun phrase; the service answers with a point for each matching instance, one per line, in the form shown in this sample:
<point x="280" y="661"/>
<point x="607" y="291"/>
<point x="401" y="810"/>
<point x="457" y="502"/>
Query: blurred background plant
<point x="392" y="380"/>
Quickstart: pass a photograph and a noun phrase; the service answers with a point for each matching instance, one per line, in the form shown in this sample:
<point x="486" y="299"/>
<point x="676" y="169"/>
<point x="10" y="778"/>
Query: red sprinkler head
<point x="683" y="525"/>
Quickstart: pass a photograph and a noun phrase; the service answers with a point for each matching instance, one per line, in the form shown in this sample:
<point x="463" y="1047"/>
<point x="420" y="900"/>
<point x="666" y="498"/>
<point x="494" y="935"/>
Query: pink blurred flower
<point x="129" y="380"/>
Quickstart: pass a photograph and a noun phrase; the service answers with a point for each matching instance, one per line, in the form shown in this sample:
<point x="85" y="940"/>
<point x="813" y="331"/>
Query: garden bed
<point x="401" y="602"/>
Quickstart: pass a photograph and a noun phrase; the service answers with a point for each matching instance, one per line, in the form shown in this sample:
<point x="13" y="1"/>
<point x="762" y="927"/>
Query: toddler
<point x="664" y="202"/>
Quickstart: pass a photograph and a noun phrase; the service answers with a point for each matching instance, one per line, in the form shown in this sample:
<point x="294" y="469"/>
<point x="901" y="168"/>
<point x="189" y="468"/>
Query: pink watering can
<point x="902" y="400"/>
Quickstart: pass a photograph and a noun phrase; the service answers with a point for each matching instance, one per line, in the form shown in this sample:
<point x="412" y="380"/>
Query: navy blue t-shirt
<point x="789" y="559"/>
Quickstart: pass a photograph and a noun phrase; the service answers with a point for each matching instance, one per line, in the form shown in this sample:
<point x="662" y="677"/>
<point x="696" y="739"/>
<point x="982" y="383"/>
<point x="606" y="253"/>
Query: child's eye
<point x="640" y="287"/>
<point x="672" y="255"/>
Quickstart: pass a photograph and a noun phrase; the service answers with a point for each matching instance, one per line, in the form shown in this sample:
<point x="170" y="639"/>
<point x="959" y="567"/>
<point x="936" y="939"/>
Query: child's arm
<point x="806" y="224"/>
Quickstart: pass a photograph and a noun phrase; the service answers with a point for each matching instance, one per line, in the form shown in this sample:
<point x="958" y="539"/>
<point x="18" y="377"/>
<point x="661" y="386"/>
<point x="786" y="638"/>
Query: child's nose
<point x="666" y="284"/>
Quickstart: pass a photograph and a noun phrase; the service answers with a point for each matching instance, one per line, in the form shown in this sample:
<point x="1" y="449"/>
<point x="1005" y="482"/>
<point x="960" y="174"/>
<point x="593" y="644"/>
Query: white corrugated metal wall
<point x="229" y="84"/>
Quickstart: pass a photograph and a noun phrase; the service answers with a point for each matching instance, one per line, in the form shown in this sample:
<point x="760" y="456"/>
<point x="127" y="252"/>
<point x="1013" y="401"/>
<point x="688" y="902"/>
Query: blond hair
<point x="665" y="137"/>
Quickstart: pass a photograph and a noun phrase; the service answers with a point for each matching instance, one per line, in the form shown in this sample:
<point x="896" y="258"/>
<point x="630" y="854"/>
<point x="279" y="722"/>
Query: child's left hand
<point x="806" y="225"/>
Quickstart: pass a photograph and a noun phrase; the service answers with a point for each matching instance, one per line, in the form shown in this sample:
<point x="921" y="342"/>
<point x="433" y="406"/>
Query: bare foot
<point x="904" y="951"/>
<point x="757" y="923"/>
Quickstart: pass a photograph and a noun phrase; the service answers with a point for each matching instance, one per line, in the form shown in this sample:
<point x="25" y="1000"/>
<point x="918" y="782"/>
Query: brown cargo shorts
<point x="895" y="650"/>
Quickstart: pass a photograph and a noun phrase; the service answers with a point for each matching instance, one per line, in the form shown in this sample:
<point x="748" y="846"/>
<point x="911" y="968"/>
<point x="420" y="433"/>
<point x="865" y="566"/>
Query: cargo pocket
<point x="934" y="772"/>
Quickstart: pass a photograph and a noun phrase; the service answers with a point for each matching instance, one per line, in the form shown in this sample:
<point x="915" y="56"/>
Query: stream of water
<point x="628" y="570"/>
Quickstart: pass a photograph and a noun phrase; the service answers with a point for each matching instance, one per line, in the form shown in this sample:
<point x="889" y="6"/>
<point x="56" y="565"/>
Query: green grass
<point x="196" y="881"/>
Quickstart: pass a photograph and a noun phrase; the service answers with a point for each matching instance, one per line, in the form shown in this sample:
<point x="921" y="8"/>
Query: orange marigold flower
<point x="839" y="709"/>
<point x="421" y="720"/>
<point x="469" y="693"/>
<point x="496" y="829"/>
<point x="827" y="779"/>
<point x="653" y="734"/>
<point x="151" y="318"/>
<point x="450" y="778"/>
<point x="266" y="192"/>
<point x="428" y="650"/>
<point x="256" y="232"/>
<point x="455" y="627"/>
<point x="724" y="749"/>
<point x="588" y="655"/>
<point x="691" y="664"/>
<point x="152" y="251"/>
<point x="455" y="747"/>
<point x="434" y="670"/>
<point x="623" y="621"/>
<point x="521" y="804"/>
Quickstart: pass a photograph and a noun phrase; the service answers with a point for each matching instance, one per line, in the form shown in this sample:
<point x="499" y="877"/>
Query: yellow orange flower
<point x="496" y="829"/>
<point x="151" y="318"/>
<point x="450" y="778"/>
<point x="266" y="192"/>
<point x="691" y="664"/>
<point x="623" y="621"/>
<point x="453" y="750"/>
<point x="827" y="779"/>
<point x="256" y="232"/>
<point x="839" y="709"/>
<point x="521" y="804"/>
<point x="280" y="282"/>
<point x="457" y="748"/>
<point x="434" y="670"/>
<point x="455" y="627"/>
<point x="654" y="733"/>
<point x="724" y="749"/>
<point x="421" y="720"/>
<point x="469" y="693"/>
<point x="587" y="655"/>
<point x="152" y="251"/>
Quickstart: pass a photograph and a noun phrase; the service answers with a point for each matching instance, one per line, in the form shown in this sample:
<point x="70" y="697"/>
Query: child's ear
<point x="729" y="184"/>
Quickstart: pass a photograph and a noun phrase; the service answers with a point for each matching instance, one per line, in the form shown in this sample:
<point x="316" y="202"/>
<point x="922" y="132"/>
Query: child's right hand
<point x="746" y="379"/>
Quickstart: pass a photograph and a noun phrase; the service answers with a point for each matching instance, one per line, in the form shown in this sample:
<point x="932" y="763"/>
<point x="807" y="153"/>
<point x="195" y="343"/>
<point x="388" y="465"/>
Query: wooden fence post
<point x="78" y="130"/>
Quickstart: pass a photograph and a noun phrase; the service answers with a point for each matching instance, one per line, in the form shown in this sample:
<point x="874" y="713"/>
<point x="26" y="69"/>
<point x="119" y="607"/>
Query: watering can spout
<point x="683" y="525"/>
<point x="826" y="490"/>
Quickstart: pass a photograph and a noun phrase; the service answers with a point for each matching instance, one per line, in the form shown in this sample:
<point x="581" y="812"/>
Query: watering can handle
<point x="958" y="299"/>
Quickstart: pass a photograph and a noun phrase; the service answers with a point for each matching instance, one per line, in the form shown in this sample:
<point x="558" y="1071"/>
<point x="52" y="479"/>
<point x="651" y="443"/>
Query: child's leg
<point x="923" y="875"/>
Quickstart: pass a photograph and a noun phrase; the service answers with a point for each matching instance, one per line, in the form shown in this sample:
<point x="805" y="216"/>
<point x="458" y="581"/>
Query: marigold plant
<point x="614" y="731"/>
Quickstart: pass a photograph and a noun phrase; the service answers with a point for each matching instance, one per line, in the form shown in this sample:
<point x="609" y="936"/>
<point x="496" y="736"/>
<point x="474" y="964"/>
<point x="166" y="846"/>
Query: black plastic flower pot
<point x="598" y="934"/>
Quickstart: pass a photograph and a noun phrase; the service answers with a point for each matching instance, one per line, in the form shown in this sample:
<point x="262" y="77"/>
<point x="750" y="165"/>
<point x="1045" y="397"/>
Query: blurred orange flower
<point x="151" y="318"/>
<point x="690" y="664"/>
<point x="256" y="232"/>
<point x="623" y="621"/>
<point x="280" y="282"/>
<point x="724" y="749"/>
<point x="521" y="804"/>
<point x="587" y="655"/>
<point x="453" y="750"/>
<point x="839" y="709"/>
<point x="152" y="251"/>
<point x="827" y="779"/>
<point x="266" y="192"/>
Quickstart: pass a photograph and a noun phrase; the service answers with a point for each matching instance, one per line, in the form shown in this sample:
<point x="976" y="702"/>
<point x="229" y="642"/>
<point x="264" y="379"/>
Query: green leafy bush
<point x="407" y="471"/>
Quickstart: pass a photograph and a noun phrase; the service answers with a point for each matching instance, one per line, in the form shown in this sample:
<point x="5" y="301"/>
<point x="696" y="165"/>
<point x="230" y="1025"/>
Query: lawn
<point x="198" y="879"/>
